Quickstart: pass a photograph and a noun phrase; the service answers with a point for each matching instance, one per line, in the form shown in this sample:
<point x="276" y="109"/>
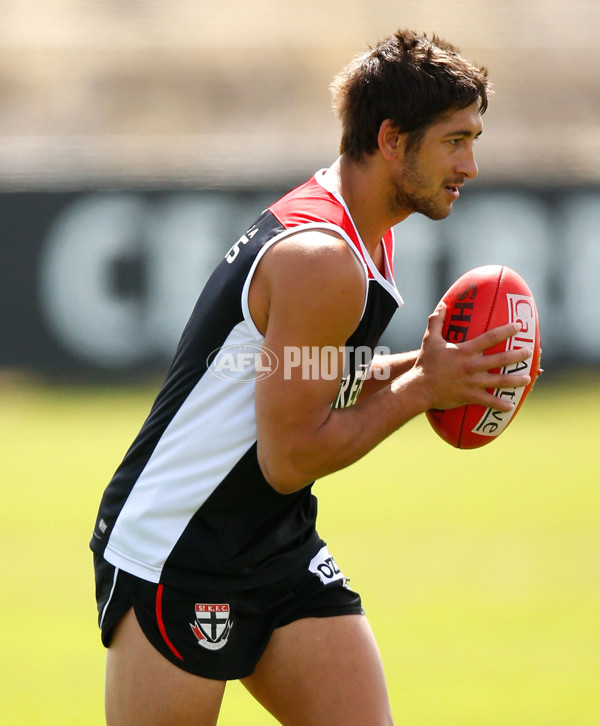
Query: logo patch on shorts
<point x="213" y="625"/>
<point x="323" y="565"/>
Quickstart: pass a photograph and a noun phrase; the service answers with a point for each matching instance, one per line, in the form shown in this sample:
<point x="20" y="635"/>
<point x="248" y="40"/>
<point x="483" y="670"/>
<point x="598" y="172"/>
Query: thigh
<point x="323" y="672"/>
<point x="144" y="689"/>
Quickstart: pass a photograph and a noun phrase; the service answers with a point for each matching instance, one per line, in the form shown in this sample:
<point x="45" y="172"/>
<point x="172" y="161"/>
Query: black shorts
<point x="217" y="634"/>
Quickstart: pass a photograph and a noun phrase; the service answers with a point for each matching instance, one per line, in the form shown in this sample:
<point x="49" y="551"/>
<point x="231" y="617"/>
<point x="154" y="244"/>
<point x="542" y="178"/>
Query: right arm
<point x="311" y="295"/>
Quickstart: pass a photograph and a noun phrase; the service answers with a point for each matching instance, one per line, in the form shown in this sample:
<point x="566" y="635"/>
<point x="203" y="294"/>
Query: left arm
<point x="384" y="368"/>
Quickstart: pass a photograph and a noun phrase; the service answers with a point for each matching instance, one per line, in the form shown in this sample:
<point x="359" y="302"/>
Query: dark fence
<point x="99" y="285"/>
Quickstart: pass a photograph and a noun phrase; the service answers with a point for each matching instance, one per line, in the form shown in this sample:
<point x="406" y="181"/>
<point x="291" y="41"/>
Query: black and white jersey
<point x="189" y="503"/>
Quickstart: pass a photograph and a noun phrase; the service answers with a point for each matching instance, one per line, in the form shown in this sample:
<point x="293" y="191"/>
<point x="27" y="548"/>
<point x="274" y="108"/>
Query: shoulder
<point x="313" y="257"/>
<point x="311" y="273"/>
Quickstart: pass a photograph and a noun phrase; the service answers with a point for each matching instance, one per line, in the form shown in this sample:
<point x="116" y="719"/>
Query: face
<point x="430" y="176"/>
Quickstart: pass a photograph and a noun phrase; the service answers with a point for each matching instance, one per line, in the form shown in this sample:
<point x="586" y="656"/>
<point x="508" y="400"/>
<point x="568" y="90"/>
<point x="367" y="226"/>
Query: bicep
<point x="315" y="300"/>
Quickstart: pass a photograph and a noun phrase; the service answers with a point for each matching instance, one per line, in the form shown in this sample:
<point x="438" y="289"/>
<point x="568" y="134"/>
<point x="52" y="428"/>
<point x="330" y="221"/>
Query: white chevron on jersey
<point x="212" y="430"/>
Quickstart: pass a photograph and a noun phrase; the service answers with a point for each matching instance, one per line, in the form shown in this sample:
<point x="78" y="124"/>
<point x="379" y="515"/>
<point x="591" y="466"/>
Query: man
<point x="209" y="567"/>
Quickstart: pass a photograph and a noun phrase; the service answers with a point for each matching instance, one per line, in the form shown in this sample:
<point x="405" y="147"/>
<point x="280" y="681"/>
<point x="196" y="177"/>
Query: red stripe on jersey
<point x="161" y="625"/>
<point x="310" y="203"/>
<point x="388" y="246"/>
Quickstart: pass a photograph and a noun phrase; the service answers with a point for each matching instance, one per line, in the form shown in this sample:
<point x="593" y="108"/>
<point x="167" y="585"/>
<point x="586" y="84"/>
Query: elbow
<point x="282" y="474"/>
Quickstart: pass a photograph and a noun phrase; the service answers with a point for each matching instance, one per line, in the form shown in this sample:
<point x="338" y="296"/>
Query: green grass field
<point x="480" y="570"/>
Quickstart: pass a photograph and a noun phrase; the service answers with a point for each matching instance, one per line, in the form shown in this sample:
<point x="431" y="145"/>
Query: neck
<point x="365" y="188"/>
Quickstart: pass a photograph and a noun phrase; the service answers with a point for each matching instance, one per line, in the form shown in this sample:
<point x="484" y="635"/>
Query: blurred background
<point x="138" y="140"/>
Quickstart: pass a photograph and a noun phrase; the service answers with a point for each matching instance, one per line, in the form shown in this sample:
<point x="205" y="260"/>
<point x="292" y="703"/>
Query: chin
<point x="435" y="213"/>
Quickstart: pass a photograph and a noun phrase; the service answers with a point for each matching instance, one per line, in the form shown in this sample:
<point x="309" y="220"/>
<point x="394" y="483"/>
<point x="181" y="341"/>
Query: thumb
<point x="436" y="319"/>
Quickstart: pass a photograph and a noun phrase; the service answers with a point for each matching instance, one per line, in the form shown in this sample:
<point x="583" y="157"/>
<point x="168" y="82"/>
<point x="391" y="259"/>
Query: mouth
<point x="454" y="190"/>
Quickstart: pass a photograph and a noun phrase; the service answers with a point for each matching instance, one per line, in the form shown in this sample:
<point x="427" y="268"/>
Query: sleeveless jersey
<point x="189" y="504"/>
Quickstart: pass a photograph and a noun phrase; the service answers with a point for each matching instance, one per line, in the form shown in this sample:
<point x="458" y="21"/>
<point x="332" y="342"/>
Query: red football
<point x="485" y="298"/>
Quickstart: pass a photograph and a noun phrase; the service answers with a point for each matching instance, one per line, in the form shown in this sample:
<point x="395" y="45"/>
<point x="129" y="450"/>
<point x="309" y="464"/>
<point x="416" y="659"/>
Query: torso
<point x="208" y="513"/>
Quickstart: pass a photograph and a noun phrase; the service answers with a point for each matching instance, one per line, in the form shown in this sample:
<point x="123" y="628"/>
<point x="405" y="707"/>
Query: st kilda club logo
<point x="212" y="626"/>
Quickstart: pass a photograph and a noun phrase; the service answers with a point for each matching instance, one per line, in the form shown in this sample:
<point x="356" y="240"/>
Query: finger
<point x="493" y="336"/>
<point x="506" y="380"/>
<point x="494" y="402"/>
<point x="505" y="402"/>
<point x="505" y="358"/>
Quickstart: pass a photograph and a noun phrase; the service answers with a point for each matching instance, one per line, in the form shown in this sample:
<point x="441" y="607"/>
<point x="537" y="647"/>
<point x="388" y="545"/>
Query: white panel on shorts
<point x="324" y="567"/>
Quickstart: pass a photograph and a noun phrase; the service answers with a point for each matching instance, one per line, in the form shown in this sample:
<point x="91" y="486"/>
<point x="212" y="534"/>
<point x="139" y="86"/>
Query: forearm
<point x="384" y="369"/>
<point x="345" y="435"/>
<point x="301" y="438"/>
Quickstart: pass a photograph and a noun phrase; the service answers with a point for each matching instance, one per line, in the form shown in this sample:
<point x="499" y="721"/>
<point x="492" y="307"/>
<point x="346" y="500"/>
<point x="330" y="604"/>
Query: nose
<point x="467" y="163"/>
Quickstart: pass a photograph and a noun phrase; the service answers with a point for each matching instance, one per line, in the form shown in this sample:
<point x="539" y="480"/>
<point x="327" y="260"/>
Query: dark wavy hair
<point x="409" y="79"/>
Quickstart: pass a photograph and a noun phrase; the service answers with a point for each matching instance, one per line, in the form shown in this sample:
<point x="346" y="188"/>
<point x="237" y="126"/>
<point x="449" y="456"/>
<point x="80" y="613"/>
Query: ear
<point x="390" y="140"/>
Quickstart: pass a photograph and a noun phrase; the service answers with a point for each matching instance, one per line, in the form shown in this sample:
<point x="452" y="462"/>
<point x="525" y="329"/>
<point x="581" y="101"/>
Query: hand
<point x="459" y="374"/>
